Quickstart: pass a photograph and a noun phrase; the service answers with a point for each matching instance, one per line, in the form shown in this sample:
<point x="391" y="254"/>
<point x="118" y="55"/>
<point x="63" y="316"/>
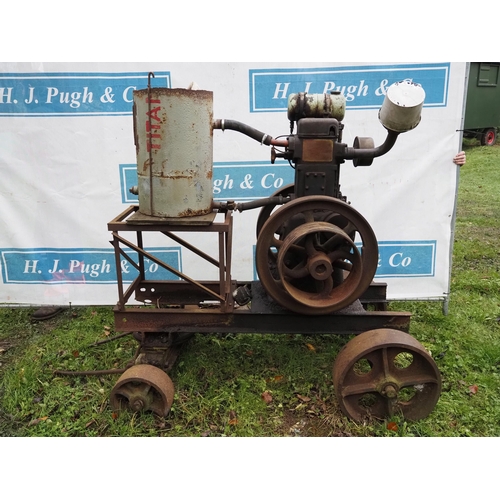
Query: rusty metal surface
<point x="174" y="146"/>
<point x="143" y="387"/>
<point x="308" y="295"/>
<point x="195" y="220"/>
<point x="122" y="223"/>
<point x="188" y="305"/>
<point x="305" y="253"/>
<point x="267" y="210"/>
<point x="212" y="320"/>
<point x="317" y="150"/>
<point x="220" y="291"/>
<point x="385" y="372"/>
<point x="316" y="105"/>
<point x="170" y="294"/>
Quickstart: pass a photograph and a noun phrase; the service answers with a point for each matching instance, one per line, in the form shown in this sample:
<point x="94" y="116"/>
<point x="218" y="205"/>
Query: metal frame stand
<point x="191" y="306"/>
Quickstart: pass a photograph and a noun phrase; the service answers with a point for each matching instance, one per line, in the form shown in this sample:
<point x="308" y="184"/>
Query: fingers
<point x="460" y="158"/>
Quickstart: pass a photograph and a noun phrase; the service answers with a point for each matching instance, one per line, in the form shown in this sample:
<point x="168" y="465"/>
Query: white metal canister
<point x="174" y="144"/>
<point x="402" y="106"/>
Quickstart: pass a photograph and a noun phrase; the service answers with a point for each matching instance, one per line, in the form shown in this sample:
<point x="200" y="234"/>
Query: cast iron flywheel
<point x="316" y="255"/>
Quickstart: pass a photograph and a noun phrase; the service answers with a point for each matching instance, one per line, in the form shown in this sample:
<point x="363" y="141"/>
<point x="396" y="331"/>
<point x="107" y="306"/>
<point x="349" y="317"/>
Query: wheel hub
<point x="390" y="391"/>
<point x="137" y="404"/>
<point x="320" y="267"/>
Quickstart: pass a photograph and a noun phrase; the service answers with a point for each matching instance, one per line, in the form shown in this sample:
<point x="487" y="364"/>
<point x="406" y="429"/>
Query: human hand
<point x="459" y="159"/>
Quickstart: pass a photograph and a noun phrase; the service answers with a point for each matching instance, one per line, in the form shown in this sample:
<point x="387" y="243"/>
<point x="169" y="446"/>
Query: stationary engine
<point x="316" y="255"/>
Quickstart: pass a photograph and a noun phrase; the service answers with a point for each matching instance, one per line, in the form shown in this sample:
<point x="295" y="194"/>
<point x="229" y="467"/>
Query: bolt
<point x="390" y="391"/>
<point x="137" y="405"/>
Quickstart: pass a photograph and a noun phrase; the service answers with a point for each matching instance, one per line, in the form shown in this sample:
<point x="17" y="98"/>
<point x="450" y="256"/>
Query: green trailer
<point x="482" y="108"/>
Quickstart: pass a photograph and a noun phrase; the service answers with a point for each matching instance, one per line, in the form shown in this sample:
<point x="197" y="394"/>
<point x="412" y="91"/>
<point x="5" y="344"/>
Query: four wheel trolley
<point x="315" y="256"/>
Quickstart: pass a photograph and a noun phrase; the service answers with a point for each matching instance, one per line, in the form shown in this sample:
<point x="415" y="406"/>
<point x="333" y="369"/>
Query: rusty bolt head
<point x="136" y="405"/>
<point x="390" y="391"/>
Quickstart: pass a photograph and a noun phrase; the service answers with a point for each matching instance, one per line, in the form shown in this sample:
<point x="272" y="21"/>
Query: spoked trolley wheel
<point x="316" y="255"/>
<point x="381" y="373"/>
<point x="143" y="388"/>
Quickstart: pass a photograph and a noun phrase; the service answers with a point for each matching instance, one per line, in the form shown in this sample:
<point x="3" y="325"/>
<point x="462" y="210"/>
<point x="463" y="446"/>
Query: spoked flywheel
<point x="267" y="210"/>
<point x="316" y="255"/>
<point x="143" y="388"/>
<point x="384" y="372"/>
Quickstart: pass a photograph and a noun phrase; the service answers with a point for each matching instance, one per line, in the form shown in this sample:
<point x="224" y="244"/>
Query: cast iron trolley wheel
<point x="489" y="137"/>
<point x="381" y="373"/>
<point x="310" y="265"/>
<point x="143" y="388"/>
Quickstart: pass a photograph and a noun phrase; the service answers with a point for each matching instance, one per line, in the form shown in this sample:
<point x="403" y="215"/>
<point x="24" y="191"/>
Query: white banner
<point x="68" y="159"/>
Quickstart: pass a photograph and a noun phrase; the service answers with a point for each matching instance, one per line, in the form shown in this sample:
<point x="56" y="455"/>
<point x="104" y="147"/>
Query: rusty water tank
<point x="174" y="144"/>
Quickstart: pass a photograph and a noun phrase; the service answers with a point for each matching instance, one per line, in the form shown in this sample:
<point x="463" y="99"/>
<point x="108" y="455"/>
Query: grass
<point x="267" y="385"/>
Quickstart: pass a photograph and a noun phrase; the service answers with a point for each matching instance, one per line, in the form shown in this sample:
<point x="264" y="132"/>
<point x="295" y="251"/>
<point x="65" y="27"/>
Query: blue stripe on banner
<point x="73" y="94"/>
<point x="364" y="87"/>
<point x="55" y="266"/>
<point x="238" y="181"/>
<point x="405" y="259"/>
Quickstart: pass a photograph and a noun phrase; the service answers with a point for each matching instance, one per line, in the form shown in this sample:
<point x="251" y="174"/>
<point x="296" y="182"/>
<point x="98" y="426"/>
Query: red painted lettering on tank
<point x="153" y="113"/>
<point x="150" y="127"/>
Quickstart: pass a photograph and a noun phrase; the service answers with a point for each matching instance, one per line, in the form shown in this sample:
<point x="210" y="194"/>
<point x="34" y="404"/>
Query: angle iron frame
<point x="191" y="306"/>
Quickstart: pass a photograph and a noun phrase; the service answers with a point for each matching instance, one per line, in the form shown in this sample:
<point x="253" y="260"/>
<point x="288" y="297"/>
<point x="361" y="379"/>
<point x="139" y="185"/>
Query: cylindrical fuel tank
<point x="174" y="144"/>
<point x="303" y="105"/>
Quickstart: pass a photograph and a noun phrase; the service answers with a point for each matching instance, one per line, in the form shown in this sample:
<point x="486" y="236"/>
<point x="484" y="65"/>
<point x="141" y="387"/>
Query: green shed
<point x="482" y="105"/>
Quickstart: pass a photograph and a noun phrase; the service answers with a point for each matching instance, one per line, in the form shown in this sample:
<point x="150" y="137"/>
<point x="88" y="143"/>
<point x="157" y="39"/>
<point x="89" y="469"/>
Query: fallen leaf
<point x="392" y="426"/>
<point x="233" y="421"/>
<point x="310" y="347"/>
<point x="76" y="354"/>
<point x="36" y="421"/>
<point x="473" y="389"/>
<point x="266" y="397"/>
<point x="304" y="399"/>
